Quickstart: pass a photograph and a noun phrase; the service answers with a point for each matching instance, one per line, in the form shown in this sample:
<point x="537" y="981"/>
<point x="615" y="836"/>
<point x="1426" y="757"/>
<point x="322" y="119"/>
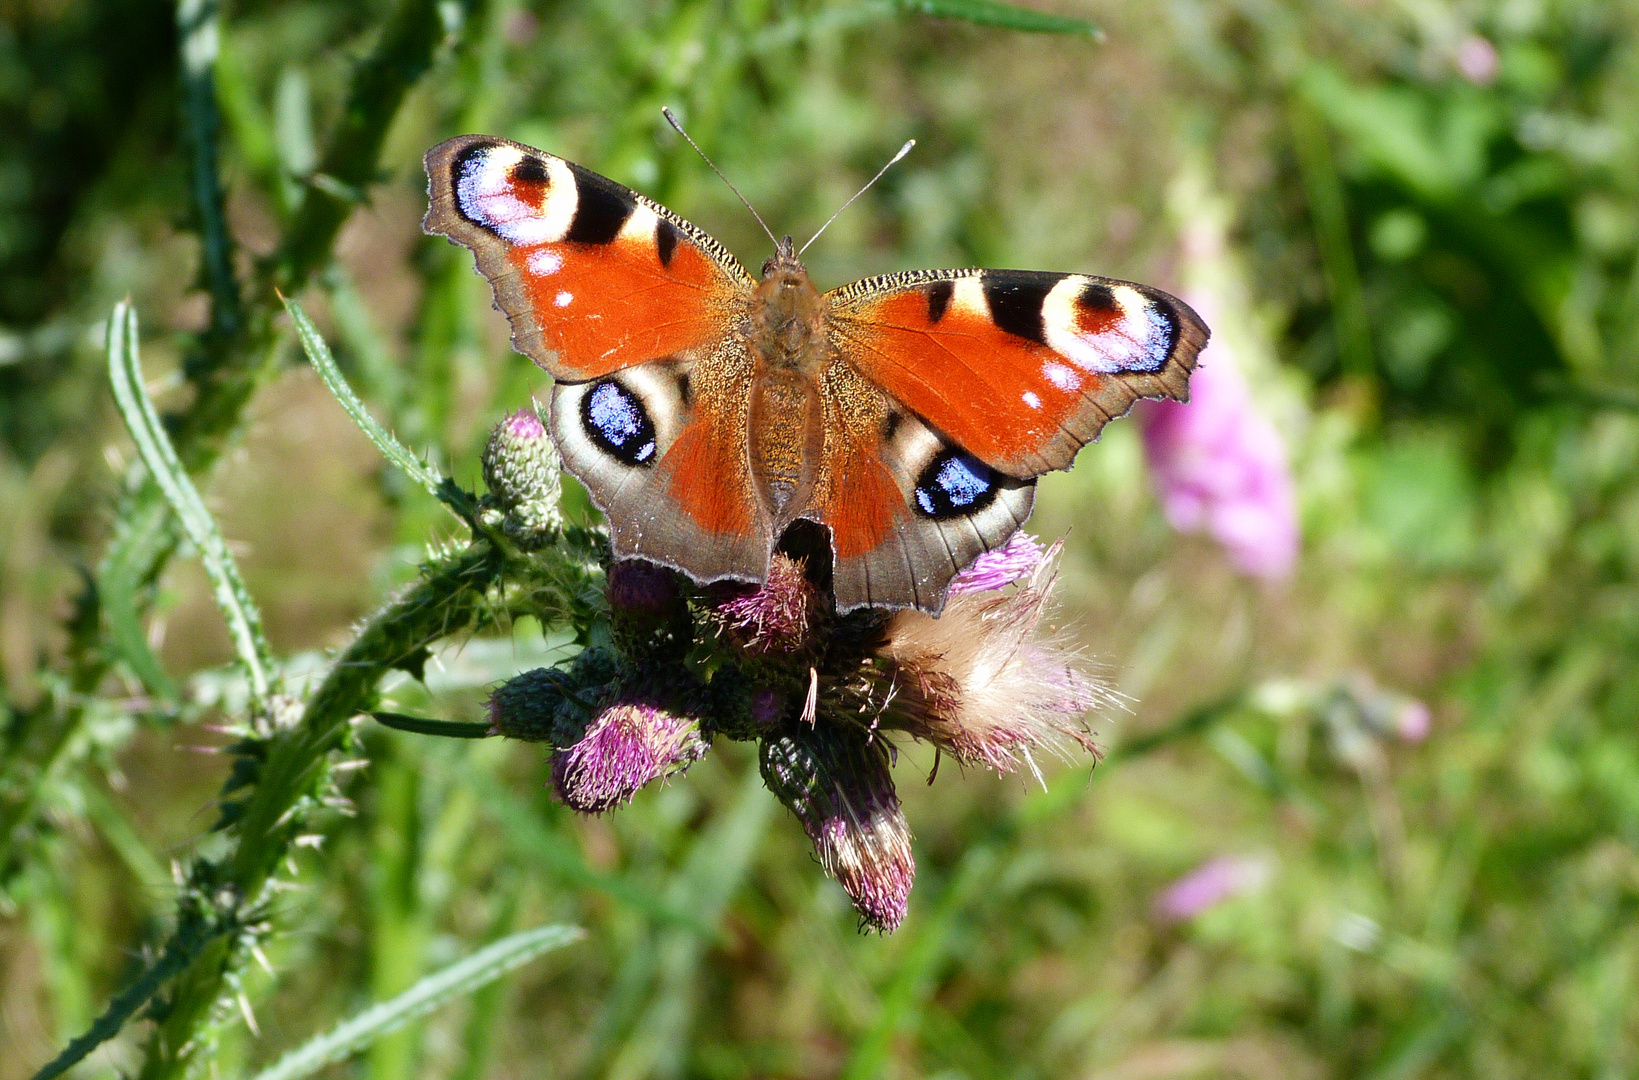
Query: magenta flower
<point x="1210" y="884"/>
<point x="1221" y="467"/>
<point x="630" y="743"/>
<point x="1003" y="566"/>
<point x="1476" y="60"/>
<point x="838" y="785"/>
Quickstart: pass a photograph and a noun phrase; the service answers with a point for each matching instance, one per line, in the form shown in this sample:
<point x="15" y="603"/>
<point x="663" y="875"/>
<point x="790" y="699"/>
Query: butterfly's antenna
<point x="903" y="150"/>
<point x="672" y="120"/>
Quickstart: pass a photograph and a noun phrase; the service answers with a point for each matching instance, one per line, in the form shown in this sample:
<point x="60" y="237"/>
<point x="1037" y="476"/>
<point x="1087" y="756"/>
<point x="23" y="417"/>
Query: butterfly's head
<point x="784" y="262"/>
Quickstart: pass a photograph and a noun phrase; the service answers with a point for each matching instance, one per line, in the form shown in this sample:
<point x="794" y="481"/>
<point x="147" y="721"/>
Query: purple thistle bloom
<point x="774" y="618"/>
<point x="1221" y="467"/>
<point x="838" y="784"/>
<point x="629" y="744"/>
<point x="984" y="683"/>
<point x="1210" y="884"/>
<point x="1001" y="566"/>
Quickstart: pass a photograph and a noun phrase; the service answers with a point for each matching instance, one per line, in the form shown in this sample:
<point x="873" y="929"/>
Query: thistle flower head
<point x="636" y="738"/>
<point x="775" y="618"/>
<point x="1001" y="566"/>
<point x="836" y="781"/>
<point x="982" y="684"/>
<point x="641" y="588"/>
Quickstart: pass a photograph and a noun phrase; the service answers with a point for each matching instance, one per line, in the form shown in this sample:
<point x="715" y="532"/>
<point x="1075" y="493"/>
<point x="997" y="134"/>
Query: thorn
<point x="261" y="958"/>
<point x="810" y="707"/>
<point x="250" y="1017"/>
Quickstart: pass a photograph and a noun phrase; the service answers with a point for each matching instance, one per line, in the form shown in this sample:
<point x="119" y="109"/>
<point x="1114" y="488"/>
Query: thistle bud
<point x="521" y="469"/>
<point x="552" y="705"/>
<point x="836" y="781"/>
<point x="635" y="739"/>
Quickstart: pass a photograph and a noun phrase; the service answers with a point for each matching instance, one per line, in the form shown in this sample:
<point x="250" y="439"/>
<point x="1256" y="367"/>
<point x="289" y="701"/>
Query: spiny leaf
<point x="318" y="353"/>
<point x="462" y="977"/>
<point x="244" y="620"/>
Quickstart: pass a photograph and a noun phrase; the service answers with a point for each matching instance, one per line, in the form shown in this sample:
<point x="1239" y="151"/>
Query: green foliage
<point x="1432" y="213"/>
<point x="459" y="979"/>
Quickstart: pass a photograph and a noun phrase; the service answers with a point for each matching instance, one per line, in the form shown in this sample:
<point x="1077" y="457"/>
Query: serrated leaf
<point x="318" y="354"/>
<point x="462" y="977"/>
<point x="1004" y="16"/>
<point x="154" y="445"/>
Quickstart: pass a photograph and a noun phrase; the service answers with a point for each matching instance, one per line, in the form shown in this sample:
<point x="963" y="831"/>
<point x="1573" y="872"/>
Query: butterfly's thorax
<point x="785" y="329"/>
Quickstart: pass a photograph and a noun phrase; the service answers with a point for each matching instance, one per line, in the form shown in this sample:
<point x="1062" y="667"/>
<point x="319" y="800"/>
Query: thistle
<point x="823" y="695"/>
<point x="522" y="472"/>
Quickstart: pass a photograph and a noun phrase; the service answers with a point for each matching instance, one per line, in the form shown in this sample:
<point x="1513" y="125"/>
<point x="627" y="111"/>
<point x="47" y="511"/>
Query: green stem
<point x="450" y="597"/>
<point x="185" y="945"/>
<point x="226" y="369"/>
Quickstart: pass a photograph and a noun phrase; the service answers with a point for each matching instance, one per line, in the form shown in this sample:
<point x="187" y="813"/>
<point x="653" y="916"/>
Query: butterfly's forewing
<point x="1019" y="368"/>
<point x="593" y="276"/>
<point x="632" y="311"/>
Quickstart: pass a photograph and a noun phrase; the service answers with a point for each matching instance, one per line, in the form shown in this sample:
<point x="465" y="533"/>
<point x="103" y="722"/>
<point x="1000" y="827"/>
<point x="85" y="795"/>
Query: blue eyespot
<point x="954" y="484"/>
<point x="616" y="422"/>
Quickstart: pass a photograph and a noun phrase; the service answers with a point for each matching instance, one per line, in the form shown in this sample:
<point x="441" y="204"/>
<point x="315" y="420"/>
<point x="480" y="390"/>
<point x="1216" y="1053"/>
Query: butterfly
<point x="708" y="412"/>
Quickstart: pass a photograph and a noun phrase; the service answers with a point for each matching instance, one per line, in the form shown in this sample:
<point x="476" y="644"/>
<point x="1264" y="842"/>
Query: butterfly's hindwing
<point x="668" y="466"/>
<point x="906" y="508"/>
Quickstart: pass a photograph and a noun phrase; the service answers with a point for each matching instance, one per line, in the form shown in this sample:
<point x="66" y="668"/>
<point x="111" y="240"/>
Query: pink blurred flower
<point x="1414" y="721"/>
<point x="1210" y="884"/>
<point x="1476" y="60"/>
<point x="1221" y="467"/>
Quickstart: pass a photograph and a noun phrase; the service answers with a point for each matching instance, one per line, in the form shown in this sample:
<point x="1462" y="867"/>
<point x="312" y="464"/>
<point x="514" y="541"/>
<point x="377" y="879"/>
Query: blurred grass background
<point x="1431" y="212"/>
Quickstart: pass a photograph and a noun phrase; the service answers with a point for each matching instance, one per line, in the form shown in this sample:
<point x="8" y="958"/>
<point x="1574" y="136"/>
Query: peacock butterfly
<point x="707" y="411"/>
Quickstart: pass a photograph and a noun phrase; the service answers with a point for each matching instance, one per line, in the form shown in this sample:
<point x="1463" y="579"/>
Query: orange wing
<point x="1019" y="368"/>
<point x="593" y="276"/>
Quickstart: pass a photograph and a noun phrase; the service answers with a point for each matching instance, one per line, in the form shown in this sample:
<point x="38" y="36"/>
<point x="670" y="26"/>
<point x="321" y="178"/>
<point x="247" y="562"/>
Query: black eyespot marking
<point x="665" y="240"/>
<point x="1015" y="303"/>
<point x="685" y="389"/>
<point x="615" y="420"/>
<point x="530" y="171"/>
<point x="939" y="294"/>
<point x="1097" y="300"/>
<point x="955" y="484"/>
<point x="1164" y="317"/>
<point x="466" y="166"/>
<point x="601" y="209"/>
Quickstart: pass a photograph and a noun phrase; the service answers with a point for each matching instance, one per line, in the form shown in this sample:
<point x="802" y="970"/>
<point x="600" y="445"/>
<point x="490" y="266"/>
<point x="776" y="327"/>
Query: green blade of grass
<point x="1004" y="16"/>
<point x="154" y="445"/>
<point x="533" y="839"/>
<point x="462" y="977"/>
<point x="318" y="353"/>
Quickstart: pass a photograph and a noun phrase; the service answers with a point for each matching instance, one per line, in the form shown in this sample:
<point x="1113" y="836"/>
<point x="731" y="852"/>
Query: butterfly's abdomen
<point x="786" y="441"/>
